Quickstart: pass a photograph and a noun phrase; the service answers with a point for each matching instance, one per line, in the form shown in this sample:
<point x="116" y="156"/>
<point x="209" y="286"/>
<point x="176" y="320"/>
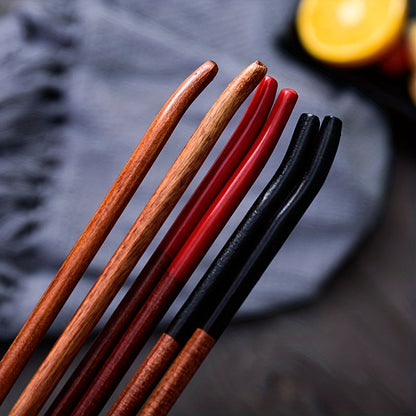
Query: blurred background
<point x="329" y="328"/>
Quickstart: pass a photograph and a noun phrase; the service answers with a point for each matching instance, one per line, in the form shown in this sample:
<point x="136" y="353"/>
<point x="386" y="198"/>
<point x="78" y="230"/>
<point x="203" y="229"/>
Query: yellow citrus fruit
<point x="350" y="32"/>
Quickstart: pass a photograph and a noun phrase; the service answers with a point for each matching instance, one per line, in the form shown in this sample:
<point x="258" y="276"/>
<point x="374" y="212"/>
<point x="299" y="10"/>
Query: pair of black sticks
<point x="235" y="271"/>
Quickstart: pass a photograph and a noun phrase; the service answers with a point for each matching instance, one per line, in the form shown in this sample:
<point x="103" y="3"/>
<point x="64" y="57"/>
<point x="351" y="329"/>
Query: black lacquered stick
<point x="279" y="229"/>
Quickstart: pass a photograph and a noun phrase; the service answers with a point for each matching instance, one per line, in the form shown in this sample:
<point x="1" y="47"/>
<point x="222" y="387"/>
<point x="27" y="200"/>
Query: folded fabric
<point x="81" y="82"/>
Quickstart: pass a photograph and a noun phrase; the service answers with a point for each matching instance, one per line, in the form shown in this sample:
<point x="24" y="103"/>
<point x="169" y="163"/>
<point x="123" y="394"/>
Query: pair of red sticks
<point x="223" y="204"/>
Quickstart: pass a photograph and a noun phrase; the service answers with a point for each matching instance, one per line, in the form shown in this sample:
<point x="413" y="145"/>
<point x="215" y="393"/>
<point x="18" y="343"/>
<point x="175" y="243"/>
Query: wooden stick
<point x="136" y="241"/>
<point x="280" y="227"/>
<point x="100" y="225"/>
<point x="220" y="275"/>
<point x="187" y="259"/>
<point x="147" y="376"/>
<point x="221" y="170"/>
<point x="179" y="374"/>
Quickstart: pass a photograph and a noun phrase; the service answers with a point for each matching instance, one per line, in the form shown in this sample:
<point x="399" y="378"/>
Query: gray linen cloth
<point x="80" y="84"/>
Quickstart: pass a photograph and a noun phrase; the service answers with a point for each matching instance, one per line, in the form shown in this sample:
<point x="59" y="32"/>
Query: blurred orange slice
<point x="350" y="32"/>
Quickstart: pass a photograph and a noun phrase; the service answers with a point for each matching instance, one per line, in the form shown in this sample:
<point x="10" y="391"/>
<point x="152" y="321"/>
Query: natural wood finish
<point x="147" y="377"/>
<point x="100" y="225"/>
<point x="136" y="240"/>
<point x="178" y="375"/>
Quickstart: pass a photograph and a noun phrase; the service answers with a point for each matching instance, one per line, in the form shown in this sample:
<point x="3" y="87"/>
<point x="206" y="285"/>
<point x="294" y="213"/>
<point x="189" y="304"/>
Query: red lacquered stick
<point x="187" y="259"/>
<point x="221" y="170"/>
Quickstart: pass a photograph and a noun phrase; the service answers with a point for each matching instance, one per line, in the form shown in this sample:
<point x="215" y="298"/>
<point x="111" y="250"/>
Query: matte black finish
<point x="248" y="234"/>
<point x="279" y="229"/>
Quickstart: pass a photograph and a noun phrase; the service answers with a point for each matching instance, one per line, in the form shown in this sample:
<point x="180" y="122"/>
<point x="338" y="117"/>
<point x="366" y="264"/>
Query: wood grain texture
<point x="100" y="225"/>
<point x="136" y="240"/>
<point x="179" y="374"/>
<point x="223" y="167"/>
<point x="146" y="378"/>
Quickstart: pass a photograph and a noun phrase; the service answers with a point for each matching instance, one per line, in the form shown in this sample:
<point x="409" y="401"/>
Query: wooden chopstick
<point x="100" y="225"/>
<point x="221" y="170"/>
<point x="219" y="276"/>
<point x="187" y="258"/>
<point x="137" y="239"/>
<point x="278" y="230"/>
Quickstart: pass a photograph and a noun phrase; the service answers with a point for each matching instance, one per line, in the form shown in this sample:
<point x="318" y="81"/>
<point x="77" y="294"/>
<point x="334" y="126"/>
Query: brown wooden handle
<point x="146" y="377"/>
<point x="179" y="374"/>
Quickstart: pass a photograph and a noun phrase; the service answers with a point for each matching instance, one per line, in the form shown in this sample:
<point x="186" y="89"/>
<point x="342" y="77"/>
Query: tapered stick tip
<point x="289" y="93"/>
<point x="259" y="66"/>
<point x="210" y="65"/>
<point x="252" y="74"/>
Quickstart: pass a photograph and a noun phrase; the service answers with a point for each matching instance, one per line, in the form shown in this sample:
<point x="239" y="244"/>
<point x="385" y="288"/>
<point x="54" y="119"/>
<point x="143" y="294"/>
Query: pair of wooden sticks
<point x="175" y="258"/>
